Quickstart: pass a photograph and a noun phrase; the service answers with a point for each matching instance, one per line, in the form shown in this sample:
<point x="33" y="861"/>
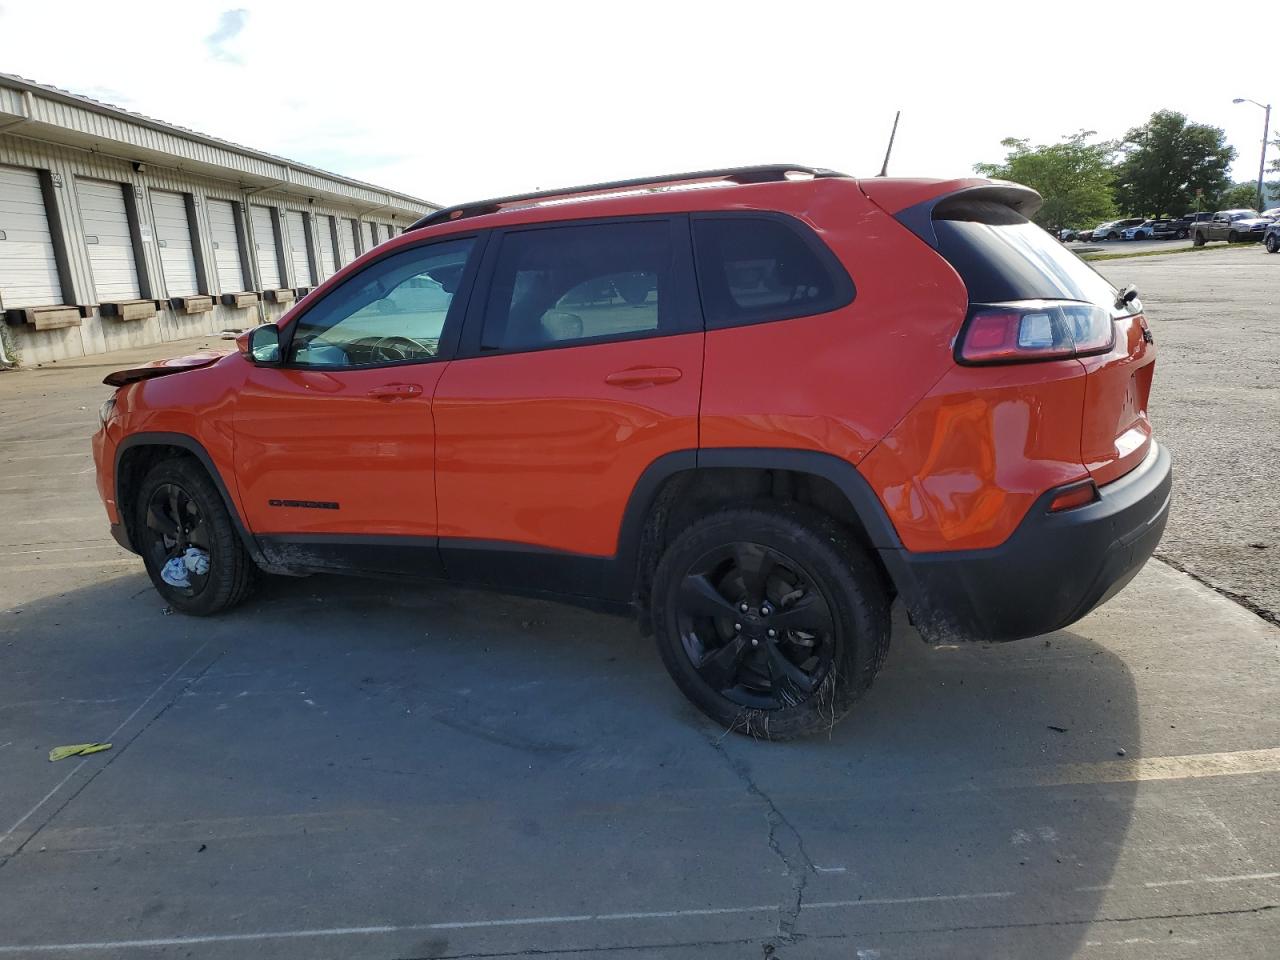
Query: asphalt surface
<point x="1127" y="246"/>
<point x="1216" y="404"/>
<point x="353" y="769"/>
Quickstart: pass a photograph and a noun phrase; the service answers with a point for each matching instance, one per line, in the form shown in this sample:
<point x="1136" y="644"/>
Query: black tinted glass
<point x="752" y="269"/>
<point x="1001" y="255"/>
<point x="564" y="284"/>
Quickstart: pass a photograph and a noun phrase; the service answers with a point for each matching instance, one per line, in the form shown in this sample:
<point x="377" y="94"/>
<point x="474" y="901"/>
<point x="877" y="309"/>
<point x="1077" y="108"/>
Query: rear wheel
<point x="187" y="540"/>
<point x="1113" y="235"/>
<point x="770" y="619"/>
<point x="1232" y="237"/>
<point x="1273" y="243"/>
<point x="1197" y="240"/>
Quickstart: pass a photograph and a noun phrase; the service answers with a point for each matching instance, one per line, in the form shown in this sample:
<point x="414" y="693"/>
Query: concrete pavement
<point x="354" y="769"/>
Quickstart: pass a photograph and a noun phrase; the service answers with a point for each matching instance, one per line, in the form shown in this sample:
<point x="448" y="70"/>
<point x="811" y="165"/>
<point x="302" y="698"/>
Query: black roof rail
<point x="766" y="173"/>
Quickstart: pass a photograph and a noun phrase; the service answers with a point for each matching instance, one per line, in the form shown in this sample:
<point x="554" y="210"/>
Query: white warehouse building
<point x="118" y="231"/>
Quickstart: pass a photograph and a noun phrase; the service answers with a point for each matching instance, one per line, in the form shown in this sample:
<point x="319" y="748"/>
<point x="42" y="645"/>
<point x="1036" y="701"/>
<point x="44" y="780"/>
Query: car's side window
<point x="392" y="311"/>
<point x="754" y="268"/>
<point x="561" y="285"/>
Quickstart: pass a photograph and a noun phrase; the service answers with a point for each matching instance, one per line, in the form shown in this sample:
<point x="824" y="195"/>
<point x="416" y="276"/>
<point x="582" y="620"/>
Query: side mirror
<point x="261" y="344"/>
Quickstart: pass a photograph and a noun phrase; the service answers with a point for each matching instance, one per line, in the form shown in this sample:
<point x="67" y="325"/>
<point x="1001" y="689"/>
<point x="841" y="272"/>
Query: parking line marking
<point x="111" y="736"/>
<point x="480" y="924"/>
<point x="60" y="565"/>
<point x="51" y="456"/>
<point x="1186" y="767"/>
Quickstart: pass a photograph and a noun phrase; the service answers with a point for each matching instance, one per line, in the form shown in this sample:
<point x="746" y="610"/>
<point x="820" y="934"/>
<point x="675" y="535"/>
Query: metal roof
<point x="258" y="167"/>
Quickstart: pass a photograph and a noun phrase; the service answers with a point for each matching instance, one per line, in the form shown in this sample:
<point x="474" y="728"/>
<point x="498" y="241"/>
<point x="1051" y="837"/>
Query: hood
<point x="162" y="368"/>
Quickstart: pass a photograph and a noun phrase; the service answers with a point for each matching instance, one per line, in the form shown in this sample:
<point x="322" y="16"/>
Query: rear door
<point x="581" y="365"/>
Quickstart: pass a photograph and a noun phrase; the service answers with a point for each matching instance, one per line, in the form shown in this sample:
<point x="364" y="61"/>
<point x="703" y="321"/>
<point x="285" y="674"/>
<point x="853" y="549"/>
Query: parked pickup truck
<point x="1230" y="225"/>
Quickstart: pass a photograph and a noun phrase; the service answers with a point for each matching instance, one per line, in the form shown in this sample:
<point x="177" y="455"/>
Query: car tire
<point x="1233" y="237"/>
<point x="1272" y="243"/>
<point x="822" y="592"/>
<point x="1113" y="235"/>
<point x="1197" y="240"/>
<point x="178" y="507"/>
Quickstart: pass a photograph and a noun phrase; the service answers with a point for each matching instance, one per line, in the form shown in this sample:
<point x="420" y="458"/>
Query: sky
<point x="470" y="99"/>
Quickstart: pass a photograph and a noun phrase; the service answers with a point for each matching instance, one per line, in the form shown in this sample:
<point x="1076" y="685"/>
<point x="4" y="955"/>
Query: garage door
<point x="264" y="237"/>
<point x="28" y="268"/>
<point x="298" y="253"/>
<point x="329" y="256"/>
<point x="226" y="246"/>
<point x="357" y="247"/>
<point x="108" y="240"/>
<point x="173" y="237"/>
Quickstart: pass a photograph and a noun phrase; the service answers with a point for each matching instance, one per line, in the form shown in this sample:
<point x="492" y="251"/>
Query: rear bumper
<point x="1053" y="570"/>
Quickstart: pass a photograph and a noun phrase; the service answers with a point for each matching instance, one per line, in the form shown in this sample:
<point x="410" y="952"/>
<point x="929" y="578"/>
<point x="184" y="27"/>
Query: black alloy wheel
<point x="755" y="626"/>
<point x="175" y="522"/>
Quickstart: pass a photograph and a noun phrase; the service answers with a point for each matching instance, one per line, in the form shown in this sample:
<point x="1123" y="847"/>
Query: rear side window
<point x="753" y="269"/>
<point x="1001" y="255"/>
<point x="560" y="285"/>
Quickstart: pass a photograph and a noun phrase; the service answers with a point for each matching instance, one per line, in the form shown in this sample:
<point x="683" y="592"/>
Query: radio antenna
<point x="884" y="169"/>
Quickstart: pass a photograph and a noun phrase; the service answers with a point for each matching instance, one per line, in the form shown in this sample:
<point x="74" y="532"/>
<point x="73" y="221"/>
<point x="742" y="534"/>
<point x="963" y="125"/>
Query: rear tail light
<point x="1028" y="330"/>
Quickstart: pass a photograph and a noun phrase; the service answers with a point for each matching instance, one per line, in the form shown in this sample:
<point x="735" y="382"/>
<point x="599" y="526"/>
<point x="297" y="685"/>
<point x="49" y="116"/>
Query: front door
<point x="581" y="365"/>
<point x="335" y="448"/>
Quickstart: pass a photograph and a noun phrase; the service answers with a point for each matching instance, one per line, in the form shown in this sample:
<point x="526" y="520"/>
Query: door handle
<point x="643" y="376"/>
<point x="394" y="391"/>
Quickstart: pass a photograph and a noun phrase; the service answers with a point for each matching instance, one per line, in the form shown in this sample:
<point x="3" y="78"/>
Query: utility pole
<point x="1266" y="132"/>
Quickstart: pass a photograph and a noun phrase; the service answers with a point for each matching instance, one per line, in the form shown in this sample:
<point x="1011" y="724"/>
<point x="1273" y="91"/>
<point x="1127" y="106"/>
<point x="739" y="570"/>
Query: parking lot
<point x="356" y="769"/>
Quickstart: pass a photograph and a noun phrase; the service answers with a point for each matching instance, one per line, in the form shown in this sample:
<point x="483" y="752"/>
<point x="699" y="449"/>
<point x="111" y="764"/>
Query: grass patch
<point x="1165" y="253"/>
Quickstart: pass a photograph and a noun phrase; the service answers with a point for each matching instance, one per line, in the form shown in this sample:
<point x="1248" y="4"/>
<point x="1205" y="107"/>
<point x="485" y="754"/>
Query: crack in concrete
<point x="796" y="863"/>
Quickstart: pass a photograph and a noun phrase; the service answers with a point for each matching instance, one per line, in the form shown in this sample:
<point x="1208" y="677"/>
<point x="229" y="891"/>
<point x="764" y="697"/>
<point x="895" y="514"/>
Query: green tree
<point x="1166" y="161"/>
<point x="1073" y="176"/>
<point x="1240" y="196"/>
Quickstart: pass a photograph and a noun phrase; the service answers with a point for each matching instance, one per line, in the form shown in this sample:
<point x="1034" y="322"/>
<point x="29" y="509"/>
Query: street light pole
<point x="1266" y="132"/>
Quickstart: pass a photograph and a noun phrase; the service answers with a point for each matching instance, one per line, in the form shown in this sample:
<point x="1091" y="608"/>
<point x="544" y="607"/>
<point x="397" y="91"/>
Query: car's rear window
<point x="1001" y="255"/>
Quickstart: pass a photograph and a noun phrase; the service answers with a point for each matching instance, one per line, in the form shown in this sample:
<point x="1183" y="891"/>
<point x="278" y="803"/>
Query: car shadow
<point x="520" y="737"/>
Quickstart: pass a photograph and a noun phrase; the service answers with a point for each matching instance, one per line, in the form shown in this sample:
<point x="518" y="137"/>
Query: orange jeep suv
<point x="752" y="405"/>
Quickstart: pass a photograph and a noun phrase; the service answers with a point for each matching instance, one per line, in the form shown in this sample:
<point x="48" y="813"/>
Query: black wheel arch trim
<point x="195" y="448"/>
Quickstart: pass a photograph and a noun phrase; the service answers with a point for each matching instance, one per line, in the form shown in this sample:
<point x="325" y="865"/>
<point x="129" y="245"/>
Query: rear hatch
<point x="1009" y="264"/>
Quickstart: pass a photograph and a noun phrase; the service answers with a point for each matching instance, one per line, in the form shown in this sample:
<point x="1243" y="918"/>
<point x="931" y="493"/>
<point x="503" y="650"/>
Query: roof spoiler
<point x="918" y="218"/>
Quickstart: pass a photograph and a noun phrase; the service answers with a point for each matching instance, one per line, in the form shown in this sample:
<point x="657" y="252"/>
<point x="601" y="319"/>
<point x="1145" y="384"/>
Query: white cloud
<point x="230" y="24"/>
<point x="462" y="100"/>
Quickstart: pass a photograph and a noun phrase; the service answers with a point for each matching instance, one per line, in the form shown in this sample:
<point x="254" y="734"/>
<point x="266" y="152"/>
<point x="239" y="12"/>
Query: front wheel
<point x="1113" y="235"/>
<point x="186" y="537"/>
<point x="1273" y="243"/>
<point x="771" y="620"/>
<point x="1198" y="240"/>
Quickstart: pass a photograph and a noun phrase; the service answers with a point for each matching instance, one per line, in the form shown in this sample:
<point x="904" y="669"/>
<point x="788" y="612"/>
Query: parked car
<point x="1185" y="221"/>
<point x="1272" y="214"/>
<point x="1230" y="225"/>
<point x="1115" y="228"/>
<point x="1271" y="237"/>
<point x="1066" y="234"/>
<point x="854" y="391"/>
<point x="1151" y="230"/>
